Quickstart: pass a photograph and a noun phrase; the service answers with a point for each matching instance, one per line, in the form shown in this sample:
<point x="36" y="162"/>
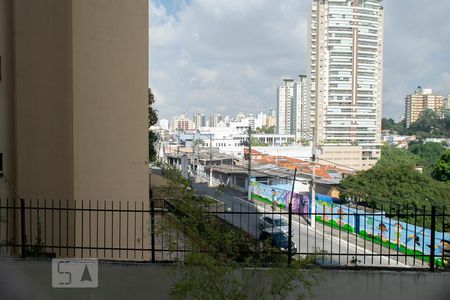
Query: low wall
<point x="31" y="279"/>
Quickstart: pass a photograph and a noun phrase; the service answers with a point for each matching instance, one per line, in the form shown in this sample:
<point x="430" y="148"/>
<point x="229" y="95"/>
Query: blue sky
<point x="214" y="56"/>
<point x="172" y="7"/>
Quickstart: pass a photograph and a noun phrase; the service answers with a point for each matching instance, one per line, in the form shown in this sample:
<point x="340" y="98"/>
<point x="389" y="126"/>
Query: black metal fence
<point x="160" y="230"/>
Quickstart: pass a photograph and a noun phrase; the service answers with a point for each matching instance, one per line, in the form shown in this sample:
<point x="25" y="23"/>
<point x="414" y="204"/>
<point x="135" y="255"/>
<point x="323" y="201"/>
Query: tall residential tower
<point x="345" y="66"/>
<point x="293" y="112"/>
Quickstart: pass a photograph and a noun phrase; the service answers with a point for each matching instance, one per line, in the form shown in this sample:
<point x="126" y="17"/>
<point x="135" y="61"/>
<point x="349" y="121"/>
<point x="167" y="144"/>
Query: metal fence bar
<point x="23" y="238"/>
<point x="152" y="220"/>
<point x="433" y="237"/>
<point x="173" y="241"/>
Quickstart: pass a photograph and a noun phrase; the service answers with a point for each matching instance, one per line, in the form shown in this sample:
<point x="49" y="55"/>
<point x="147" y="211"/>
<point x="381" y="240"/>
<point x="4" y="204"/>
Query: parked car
<point x="278" y="239"/>
<point x="274" y="221"/>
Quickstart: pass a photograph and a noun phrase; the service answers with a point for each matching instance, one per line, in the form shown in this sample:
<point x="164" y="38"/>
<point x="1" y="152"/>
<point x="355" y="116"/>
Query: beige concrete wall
<point x="110" y="80"/>
<point x="43" y="98"/>
<point x="32" y="280"/>
<point x="81" y="99"/>
<point x="6" y="96"/>
<point x="73" y="106"/>
<point x="342" y="155"/>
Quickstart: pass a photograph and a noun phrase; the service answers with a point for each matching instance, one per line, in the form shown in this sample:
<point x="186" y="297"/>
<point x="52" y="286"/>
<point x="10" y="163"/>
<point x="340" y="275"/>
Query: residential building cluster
<point x="200" y="121"/>
<point x="421" y="100"/>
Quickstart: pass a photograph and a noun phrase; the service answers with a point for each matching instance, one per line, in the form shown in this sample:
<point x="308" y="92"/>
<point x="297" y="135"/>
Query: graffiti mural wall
<point x="389" y="232"/>
<point x="372" y="225"/>
<point x="301" y="203"/>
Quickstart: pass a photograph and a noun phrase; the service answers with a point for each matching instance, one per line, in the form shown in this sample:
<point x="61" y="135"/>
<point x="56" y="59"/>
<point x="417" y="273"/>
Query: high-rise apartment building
<point x="421" y="100"/>
<point x="345" y="66"/>
<point x="164" y="124"/>
<point x="260" y="120"/>
<point x="214" y="120"/>
<point x="293" y="107"/>
<point x="270" y="121"/>
<point x="285" y="95"/>
<point x="198" y="121"/>
<point x="301" y="120"/>
<point x="271" y="118"/>
<point x="181" y="123"/>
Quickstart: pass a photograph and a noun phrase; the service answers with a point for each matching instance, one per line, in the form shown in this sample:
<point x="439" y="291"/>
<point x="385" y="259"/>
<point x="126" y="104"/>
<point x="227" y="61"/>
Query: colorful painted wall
<point x="374" y="226"/>
<point x="301" y="203"/>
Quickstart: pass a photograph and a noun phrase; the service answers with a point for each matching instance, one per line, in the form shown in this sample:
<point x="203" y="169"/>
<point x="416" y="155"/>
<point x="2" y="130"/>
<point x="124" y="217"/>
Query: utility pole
<point x="193" y="155"/>
<point x="290" y="220"/>
<point x="249" y="193"/>
<point x="210" y="160"/>
<point x="313" y="185"/>
<point x="178" y="152"/>
<point x="313" y="175"/>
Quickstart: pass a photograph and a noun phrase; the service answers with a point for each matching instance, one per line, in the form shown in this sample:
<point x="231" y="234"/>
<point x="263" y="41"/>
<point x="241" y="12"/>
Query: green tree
<point x="152" y="120"/>
<point x="256" y="142"/>
<point x="268" y="130"/>
<point x="393" y="180"/>
<point x="393" y="127"/>
<point x="441" y="170"/>
<point x="427" y="153"/>
<point x="197" y="142"/>
<point x="227" y="263"/>
<point x="391" y="157"/>
<point x="431" y="124"/>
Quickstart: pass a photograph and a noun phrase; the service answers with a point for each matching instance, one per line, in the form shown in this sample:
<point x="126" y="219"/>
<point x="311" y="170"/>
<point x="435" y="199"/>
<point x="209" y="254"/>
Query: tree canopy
<point x="393" y="180"/>
<point x="152" y="120"/>
<point x="441" y="170"/>
<point x="427" y="154"/>
<point x="429" y="124"/>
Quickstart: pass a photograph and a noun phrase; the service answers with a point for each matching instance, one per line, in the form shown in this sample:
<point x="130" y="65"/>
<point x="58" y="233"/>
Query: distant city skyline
<point x="229" y="56"/>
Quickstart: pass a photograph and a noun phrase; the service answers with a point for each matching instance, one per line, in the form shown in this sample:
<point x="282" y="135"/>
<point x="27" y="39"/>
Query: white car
<point x="273" y="221"/>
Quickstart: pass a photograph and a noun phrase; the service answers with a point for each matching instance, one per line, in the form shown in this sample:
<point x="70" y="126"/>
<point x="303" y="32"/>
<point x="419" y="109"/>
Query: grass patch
<point x="265" y="200"/>
<point x="416" y="253"/>
<point x="334" y="224"/>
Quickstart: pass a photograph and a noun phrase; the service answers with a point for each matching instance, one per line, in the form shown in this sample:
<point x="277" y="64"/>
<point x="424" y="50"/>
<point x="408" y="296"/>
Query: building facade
<point x="164" y="124"/>
<point x="181" y="123"/>
<point x="421" y="100"/>
<point x="66" y="68"/>
<point x="301" y="120"/>
<point x="346" y="78"/>
<point x="285" y="95"/>
<point x="293" y="112"/>
<point x="73" y="115"/>
<point x="214" y="120"/>
<point x="198" y="121"/>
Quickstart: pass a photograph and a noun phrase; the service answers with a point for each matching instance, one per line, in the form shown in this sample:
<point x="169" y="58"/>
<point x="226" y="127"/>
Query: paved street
<point x="340" y="247"/>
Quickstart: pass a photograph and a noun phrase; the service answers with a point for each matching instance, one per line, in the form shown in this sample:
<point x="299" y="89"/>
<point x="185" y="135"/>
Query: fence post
<point x="290" y="220"/>
<point x="290" y="235"/>
<point x="433" y="232"/>
<point x="152" y="220"/>
<point x="22" y="227"/>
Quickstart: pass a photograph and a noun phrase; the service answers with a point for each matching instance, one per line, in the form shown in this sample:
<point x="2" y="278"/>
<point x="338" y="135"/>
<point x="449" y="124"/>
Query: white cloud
<point x="229" y="56"/>
<point x="223" y="56"/>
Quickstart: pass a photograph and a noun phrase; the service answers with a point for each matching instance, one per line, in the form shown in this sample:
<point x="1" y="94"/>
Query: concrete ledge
<point x="31" y="279"/>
